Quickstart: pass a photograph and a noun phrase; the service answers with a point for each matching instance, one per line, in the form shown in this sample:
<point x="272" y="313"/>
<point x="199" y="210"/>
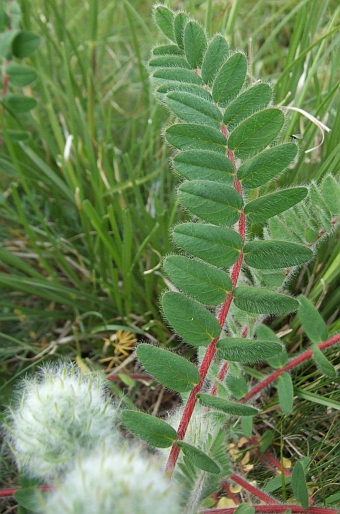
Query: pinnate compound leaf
<point x="263" y="301"/>
<point x="247" y="350"/>
<point x="256" y="132"/>
<point x="280" y="360"/>
<point x="263" y="167"/>
<point x="165" y="75"/>
<point x="171" y="370"/>
<point x="275" y="254"/>
<point x="286" y="392"/>
<point x="198" y="458"/>
<point x="180" y="21"/>
<point x="311" y="320"/>
<point x="259" y="210"/>
<point x="216" y="203"/>
<point x="195" y="43"/>
<point x="152" y="430"/>
<point x="218" y="246"/>
<point x="187" y="136"/>
<point x="193" y="322"/>
<point x="235" y="409"/>
<point x="202" y="164"/>
<point x="164" y="18"/>
<point x="216" y="54"/>
<point x="299" y="485"/>
<point x="255" y="98"/>
<point x="230" y="79"/>
<point x="323" y="363"/>
<point x="206" y="284"/>
<point x="193" y="109"/>
<point x="331" y="194"/>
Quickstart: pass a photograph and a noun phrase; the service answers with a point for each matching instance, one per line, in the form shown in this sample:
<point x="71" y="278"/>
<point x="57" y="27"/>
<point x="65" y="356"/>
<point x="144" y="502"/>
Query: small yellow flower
<point x="122" y="343"/>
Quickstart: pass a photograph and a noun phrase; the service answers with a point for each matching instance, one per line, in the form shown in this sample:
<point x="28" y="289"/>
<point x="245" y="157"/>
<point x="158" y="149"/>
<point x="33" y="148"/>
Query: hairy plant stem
<point x="276" y="509"/>
<point x="255" y="491"/>
<point x="211" y="350"/>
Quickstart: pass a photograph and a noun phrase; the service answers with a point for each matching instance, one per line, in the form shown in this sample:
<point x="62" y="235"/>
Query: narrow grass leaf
<point x="198" y="458"/>
<point x="164" y="18"/>
<point x="193" y="322"/>
<point x="216" y="54"/>
<point x="230" y="79"/>
<point x="232" y="408"/>
<point x="275" y="254"/>
<point x="202" y="164"/>
<point x="152" y="430"/>
<point x="263" y="167"/>
<point x="312" y="321"/>
<point x="195" y="43"/>
<point x="216" y="245"/>
<point x="194" y="109"/>
<point x="204" y="283"/>
<point x="299" y="485"/>
<point x="255" y="98"/>
<point x="256" y="132"/>
<point x="247" y="350"/>
<point x="215" y="203"/>
<point x="187" y="136"/>
<point x="267" y="206"/>
<point x="171" y="370"/>
<point x="323" y="363"/>
<point x="286" y="392"/>
<point x="263" y="301"/>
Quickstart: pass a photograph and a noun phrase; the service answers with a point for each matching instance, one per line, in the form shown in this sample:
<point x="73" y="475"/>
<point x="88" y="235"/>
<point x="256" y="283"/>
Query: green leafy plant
<point x="230" y="144"/>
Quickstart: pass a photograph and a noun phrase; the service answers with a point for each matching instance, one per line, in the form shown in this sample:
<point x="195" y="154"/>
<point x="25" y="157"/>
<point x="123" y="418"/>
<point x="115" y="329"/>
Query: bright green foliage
<point x="286" y="392"/>
<point x="311" y="320"/>
<point x="169" y="369"/>
<point x="299" y="485"/>
<point x="275" y="254"/>
<point x="260" y="301"/>
<point x="152" y="430"/>
<point x="323" y="363"/>
<point x="270" y="205"/>
<point x="247" y="350"/>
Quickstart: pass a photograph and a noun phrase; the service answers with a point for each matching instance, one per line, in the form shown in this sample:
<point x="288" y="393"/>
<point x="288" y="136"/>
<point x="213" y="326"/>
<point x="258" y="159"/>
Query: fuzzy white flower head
<point x="60" y="412"/>
<point x="112" y="480"/>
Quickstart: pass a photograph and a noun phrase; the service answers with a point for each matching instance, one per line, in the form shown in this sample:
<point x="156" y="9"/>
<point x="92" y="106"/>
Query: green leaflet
<point x="275" y="254"/>
<point x="194" y="109"/>
<point x="265" y="207"/>
<point x="331" y="193"/>
<point x="195" y="43"/>
<point x="299" y="485"/>
<point x="150" y="429"/>
<point x="266" y="165"/>
<point x="286" y="392"/>
<point x="164" y="75"/>
<point x="206" y="284"/>
<point x="238" y="386"/>
<point x="256" y="132"/>
<point x="235" y="409"/>
<point x="202" y="164"/>
<point x="198" y="458"/>
<point x="187" y="136"/>
<point x="253" y="99"/>
<point x="247" y="350"/>
<point x="280" y="360"/>
<point x="167" y="50"/>
<point x="216" y="245"/>
<point x="230" y="79"/>
<point x="18" y="103"/>
<point x="179" y="23"/>
<point x="168" y="61"/>
<point x="216" y="54"/>
<point x="165" y="21"/>
<point x="168" y="368"/>
<point x="323" y="363"/>
<point x="263" y="301"/>
<point x="182" y="87"/>
<point x="215" y="203"/>
<point x="311" y="320"/>
<point x="20" y="75"/>
<point x="193" y="322"/>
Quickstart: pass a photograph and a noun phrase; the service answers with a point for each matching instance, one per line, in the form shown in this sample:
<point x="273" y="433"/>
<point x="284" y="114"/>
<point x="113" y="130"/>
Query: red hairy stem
<point x="211" y="350"/>
<point x="291" y="365"/>
<point x="255" y="491"/>
<point x="10" y="492"/>
<point x="275" y="509"/>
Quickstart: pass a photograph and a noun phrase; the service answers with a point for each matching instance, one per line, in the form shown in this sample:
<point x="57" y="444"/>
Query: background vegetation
<point x="87" y="194"/>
